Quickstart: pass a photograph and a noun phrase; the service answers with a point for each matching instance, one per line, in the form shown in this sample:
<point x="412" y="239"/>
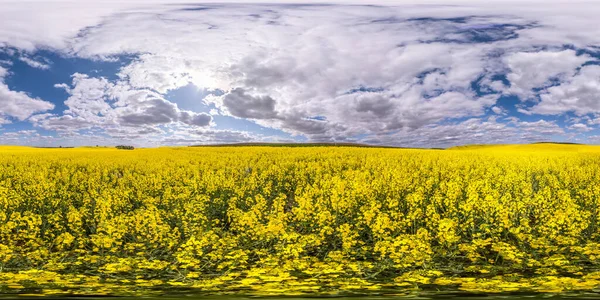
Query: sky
<point x="400" y="73"/>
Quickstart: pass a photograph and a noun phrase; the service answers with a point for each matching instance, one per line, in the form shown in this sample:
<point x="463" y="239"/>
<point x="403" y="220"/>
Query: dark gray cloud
<point x="376" y="104"/>
<point x="306" y="126"/>
<point x="154" y="112"/>
<point x="195" y="119"/>
<point x="243" y="105"/>
<point x="160" y="111"/>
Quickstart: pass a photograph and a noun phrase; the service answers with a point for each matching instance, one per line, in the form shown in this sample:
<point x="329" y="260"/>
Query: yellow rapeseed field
<point x="294" y="221"/>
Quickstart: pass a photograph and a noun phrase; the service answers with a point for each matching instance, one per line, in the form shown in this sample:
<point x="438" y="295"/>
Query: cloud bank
<point x="398" y="73"/>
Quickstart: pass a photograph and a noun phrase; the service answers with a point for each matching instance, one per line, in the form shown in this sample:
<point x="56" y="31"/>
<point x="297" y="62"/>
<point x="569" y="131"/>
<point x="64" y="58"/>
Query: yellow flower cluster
<point x="296" y="221"/>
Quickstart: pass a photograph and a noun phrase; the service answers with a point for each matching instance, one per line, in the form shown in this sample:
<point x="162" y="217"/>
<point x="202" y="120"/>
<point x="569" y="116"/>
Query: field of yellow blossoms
<point x="300" y="221"/>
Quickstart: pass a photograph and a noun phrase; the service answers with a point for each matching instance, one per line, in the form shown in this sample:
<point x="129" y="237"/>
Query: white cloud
<point x="593" y="121"/>
<point x="579" y="94"/>
<point x="96" y="102"/>
<point x="3" y="73"/>
<point x="35" y="63"/>
<point x="4" y="121"/>
<point x="541" y="127"/>
<point x="580" y="127"/>
<point x="159" y="73"/>
<point x="29" y="25"/>
<point x="498" y="110"/>
<point x="20" y="105"/>
<point x="530" y="70"/>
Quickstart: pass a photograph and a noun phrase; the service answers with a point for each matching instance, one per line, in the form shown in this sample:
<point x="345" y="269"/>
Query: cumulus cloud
<point x="158" y="73"/>
<point x="579" y="94"/>
<point x="19" y="105"/>
<point x="4" y="121"/>
<point x="151" y="112"/>
<point x="580" y="127"/>
<point x="195" y="119"/>
<point x="89" y="97"/>
<point x="243" y="105"/>
<point x="159" y="111"/>
<point x="498" y="110"/>
<point x="541" y="126"/>
<point x="96" y="102"/>
<point x="529" y="70"/>
<point x="375" y="104"/>
<point x="16" y="104"/>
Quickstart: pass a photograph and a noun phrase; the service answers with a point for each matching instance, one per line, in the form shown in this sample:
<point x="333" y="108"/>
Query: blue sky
<point x="391" y="73"/>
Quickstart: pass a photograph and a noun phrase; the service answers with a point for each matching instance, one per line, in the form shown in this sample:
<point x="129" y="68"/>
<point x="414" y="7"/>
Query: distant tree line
<point x="125" y="147"/>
